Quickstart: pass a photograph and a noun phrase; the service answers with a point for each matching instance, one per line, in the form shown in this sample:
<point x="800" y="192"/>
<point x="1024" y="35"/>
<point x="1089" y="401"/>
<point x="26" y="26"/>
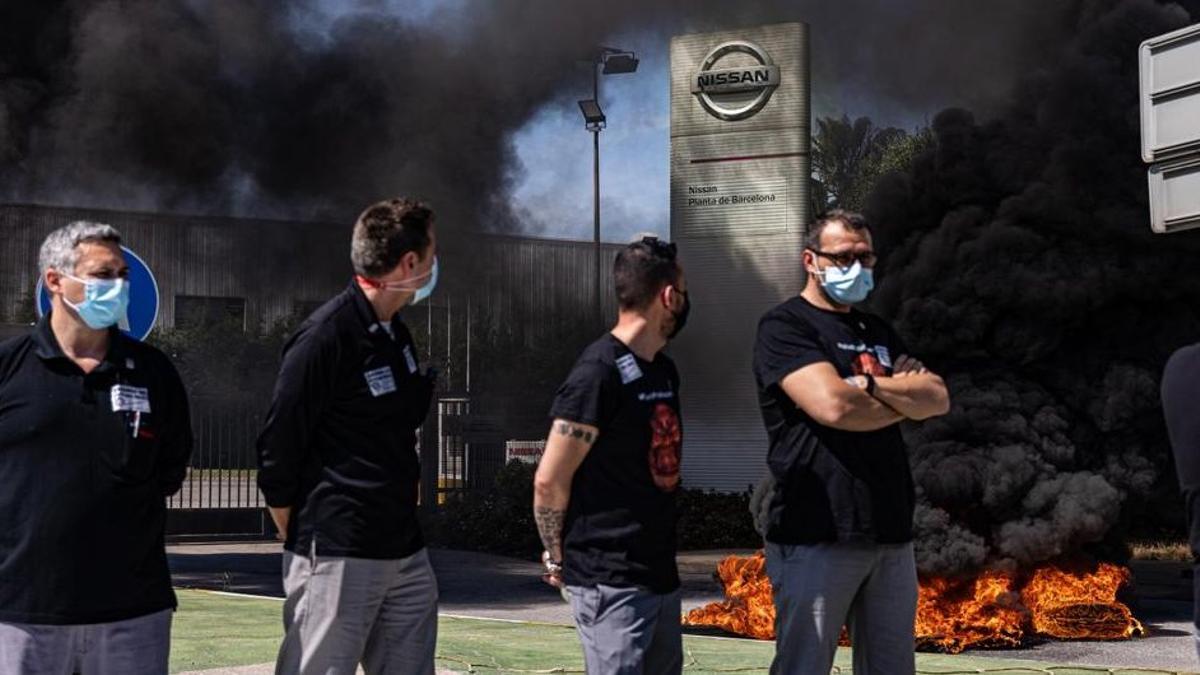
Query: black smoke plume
<point x="286" y="110"/>
<point x="1020" y="263"/>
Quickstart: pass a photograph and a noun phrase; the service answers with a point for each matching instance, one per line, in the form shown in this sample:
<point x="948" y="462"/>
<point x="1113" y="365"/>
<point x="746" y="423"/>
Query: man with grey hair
<point x="94" y="432"/>
<point x="338" y="463"/>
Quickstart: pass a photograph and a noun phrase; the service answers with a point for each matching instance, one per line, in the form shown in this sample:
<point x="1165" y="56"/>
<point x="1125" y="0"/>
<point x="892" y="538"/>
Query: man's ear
<point x="52" y="280"/>
<point x="809" y="259"/>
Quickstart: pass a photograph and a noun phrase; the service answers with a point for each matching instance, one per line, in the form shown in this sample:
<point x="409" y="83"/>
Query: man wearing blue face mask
<point x="338" y="463"/>
<point x="834" y="382"/>
<point x="94" y="433"/>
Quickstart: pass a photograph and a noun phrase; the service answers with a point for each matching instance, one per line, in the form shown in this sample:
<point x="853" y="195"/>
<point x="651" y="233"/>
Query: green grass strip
<point x="214" y="630"/>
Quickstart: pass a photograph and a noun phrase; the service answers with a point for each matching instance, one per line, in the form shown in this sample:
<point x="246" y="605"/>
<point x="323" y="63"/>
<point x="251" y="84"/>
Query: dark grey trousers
<point x="871" y="588"/>
<point x="344" y="611"/>
<point x="139" y="646"/>
<point x="628" y="631"/>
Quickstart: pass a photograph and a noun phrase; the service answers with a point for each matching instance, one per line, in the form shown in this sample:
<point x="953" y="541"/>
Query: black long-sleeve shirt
<point x="85" y="463"/>
<point x="1180" y="392"/>
<point x="339" y="444"/>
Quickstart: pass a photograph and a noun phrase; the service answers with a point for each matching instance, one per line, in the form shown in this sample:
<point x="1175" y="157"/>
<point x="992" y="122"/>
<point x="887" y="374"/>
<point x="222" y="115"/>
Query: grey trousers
<point x="872" y="588"/>
<point x="344" y="611"/>
<point x="139" y="646"/>
<point x="628" y="631"/>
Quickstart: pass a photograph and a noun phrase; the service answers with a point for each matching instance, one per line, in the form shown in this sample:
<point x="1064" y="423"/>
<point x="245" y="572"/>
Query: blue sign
<point x="143" y="298"/>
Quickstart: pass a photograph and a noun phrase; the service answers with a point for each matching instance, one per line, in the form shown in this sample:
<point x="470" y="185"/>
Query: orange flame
<point x="994" y="609"/>
<point x="748" y="608"/>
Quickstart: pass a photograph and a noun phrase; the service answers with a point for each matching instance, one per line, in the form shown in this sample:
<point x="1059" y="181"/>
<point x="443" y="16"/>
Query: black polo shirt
<point x="831" y="485"/>
<point x="339" y="444"/>
<point x="86" y="461"/>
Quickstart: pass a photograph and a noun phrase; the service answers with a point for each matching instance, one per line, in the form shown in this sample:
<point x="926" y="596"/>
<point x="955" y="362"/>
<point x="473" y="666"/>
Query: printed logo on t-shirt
<point x="666" y="441"/>
<point x="127" y="398"/>
<point x="628" y="366"/>
<point x="380" y="381"/>
<point x="866" y="364"/>
<point x="409" y="359"/>
<point x="655" y="395"/>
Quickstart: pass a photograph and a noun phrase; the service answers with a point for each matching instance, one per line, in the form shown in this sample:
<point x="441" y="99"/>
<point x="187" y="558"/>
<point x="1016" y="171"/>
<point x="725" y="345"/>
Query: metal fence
<point x="470" y="449"/>
<point x="220" y="496"/>
<point x="222" y="472"/>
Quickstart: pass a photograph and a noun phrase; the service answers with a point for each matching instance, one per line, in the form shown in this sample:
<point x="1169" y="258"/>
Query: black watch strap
<point x="870" y="384"/>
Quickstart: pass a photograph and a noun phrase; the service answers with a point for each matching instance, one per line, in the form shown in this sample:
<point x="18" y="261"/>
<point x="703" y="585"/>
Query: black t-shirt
<point x="620" y="524"/>
<point x="831" y="485"/>
<point x="86" y="461"/>
<point x="339" y="443"/>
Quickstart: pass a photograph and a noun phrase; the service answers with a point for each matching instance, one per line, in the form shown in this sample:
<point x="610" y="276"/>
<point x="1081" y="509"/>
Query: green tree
<point x="842" y="149"/>
<point x="895" y="155"/>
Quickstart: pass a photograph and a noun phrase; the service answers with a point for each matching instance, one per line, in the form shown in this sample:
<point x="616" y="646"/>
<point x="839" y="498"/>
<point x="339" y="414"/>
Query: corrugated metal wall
<point x="277" y="266"/>
<point x="269" y="263"/>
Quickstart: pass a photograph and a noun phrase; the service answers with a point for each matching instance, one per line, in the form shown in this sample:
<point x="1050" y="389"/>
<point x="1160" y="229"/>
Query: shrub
<point x="497" y="520"/>
<point x="500" y="519"/>
<point x="710" y="520"/>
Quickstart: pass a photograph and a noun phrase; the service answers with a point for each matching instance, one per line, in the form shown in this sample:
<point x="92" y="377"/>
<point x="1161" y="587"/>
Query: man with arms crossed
<point x="834" y="382"/>
<point x="604" y="491"/>
<point x="338" y="463"/>
<point x="94" y="434"/>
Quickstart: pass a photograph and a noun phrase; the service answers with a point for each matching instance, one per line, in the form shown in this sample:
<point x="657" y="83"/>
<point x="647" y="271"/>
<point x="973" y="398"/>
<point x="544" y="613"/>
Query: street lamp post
<point x="612" y="62"/>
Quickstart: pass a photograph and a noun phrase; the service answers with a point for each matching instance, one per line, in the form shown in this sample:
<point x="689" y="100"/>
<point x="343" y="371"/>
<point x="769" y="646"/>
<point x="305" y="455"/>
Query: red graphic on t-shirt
<point x="666" y="441"/>
<point x="867" y="364"/>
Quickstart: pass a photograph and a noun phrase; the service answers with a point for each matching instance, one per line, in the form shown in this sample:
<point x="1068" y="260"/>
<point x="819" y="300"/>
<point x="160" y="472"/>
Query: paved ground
<point x="476" y="584"/>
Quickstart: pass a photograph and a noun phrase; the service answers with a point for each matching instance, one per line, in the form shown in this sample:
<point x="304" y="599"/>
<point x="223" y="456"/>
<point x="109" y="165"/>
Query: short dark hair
<point x="852" y="220"/>
<point x="642" y="269"/>
<point x="386" y="231"/>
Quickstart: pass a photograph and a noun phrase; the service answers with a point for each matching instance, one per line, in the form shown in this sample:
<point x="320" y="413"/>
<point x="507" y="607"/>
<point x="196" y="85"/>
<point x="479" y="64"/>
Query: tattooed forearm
<point x="550" y="525"/>
<point x="571" y="431"/>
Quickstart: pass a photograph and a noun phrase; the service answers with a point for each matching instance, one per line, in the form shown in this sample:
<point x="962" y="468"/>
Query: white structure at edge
<point x="1169" y="68"/>
<point x="739" y="205"/>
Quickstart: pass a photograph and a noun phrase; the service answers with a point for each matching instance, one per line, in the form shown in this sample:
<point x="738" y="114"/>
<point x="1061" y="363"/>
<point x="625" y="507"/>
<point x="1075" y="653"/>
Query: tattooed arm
<point x="566" y="447"/>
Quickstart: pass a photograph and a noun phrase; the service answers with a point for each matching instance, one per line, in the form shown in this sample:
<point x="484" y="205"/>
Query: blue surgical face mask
<point x="427" y="290"/>
<point x="105" y="301"/>
<point x="847" y="286"/>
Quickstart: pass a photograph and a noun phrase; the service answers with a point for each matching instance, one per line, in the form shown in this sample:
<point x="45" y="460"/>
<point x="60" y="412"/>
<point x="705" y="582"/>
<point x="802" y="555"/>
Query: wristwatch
<point x="870" y="388"/>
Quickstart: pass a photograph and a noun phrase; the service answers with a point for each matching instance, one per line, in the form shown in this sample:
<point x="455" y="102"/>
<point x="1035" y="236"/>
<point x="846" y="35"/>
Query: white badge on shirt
<point x="628" y="366"/>
<point x="129" y="398"/>
<point x="381" y="381"/>
<point x="885" y="357"/>
<point x="410" y="359"/>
